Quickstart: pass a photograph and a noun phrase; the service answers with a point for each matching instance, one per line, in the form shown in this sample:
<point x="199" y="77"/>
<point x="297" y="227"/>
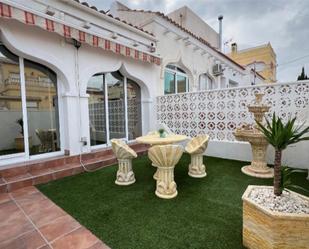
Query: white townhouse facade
<point x="185" y="46"/>
<point x="73" y="77"/>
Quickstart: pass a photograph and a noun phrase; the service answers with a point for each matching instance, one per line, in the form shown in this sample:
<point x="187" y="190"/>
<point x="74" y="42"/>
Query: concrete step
<point x="44" y="171"/>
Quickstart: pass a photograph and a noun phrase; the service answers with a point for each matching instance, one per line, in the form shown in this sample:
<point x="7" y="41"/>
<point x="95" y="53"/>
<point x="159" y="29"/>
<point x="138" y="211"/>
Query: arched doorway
<point x="114" y="108"/>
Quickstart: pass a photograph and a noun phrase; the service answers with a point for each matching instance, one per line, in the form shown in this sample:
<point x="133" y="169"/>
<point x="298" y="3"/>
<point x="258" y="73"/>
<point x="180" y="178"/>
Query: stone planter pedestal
<point x="166" y="186"/>
<point x="196" y="167"/>
<point x="266" y="229"/>
<point x="125" y="174"/>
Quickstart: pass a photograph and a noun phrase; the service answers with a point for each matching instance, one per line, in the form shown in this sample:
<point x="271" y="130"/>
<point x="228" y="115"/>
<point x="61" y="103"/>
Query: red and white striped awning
<point x="51" y="25"/>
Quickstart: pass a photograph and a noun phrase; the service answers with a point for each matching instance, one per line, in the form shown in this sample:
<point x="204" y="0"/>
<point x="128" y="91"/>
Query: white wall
<point x="219" y="112"/>
<point x="195" y="58"/>
<point x="195" y="24"/>
<point x="294" y="156"/>
<point x="54" y="52"/>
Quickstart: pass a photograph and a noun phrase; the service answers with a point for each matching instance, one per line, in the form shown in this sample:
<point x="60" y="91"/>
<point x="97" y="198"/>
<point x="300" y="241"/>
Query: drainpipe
<point x="220" y="18"/>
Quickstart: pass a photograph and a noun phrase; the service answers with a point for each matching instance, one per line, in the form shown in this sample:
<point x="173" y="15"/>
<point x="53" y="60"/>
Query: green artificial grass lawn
<point x="207" y="213"/>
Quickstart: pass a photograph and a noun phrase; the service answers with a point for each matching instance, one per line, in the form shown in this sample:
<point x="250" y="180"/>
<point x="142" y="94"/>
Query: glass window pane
<point x="206" y="83"/>
<point x="181" y="84"/>
<point x="42" y="109"/>
<point x="116" y="111"/>
<point x="11" y="117"/>
<point x="169" y="83"/>
<point x="96" y="106"/>
<point x="134" y="110"/>
<point x="203" y="82"/>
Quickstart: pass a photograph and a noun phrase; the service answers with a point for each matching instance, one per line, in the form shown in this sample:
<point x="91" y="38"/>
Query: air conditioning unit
<point x="217" y="70"/>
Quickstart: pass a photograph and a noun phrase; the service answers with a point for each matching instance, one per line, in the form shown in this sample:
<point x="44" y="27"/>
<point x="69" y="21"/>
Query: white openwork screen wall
<point x="219" y="112"/>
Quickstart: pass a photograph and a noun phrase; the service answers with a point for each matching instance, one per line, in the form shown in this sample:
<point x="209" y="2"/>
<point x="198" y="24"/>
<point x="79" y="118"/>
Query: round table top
<point x="157" y="140"/>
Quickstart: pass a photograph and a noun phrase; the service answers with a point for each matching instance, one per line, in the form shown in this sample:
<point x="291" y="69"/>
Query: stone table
<point x="155" y="139"/>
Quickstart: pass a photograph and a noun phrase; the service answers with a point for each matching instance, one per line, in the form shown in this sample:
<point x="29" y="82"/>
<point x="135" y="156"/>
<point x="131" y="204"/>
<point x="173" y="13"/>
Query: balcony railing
<point x="30" y="81"/>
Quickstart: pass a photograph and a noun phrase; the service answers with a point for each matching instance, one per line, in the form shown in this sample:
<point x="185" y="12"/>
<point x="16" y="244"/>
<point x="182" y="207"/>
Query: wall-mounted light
<point x="152" y="48"/>
<point x="166" y="32"/>
<point x="178" y="38"/>
<point x="114" y="35"/>
<point x="86" y="25"/>
<point x="135" y="44"/>
<point x="50" y="11"/>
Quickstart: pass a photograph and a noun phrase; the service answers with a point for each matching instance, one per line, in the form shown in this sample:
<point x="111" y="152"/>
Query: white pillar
<point x="71" y="123"/>
<point x="149" y="118"/>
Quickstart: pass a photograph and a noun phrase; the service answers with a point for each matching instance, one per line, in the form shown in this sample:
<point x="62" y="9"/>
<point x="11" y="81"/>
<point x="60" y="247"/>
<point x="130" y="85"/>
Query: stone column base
<point x="125" y="174"/>
<point x="250" y="170"/>
<point x="196" y="168"/>
<point x="166" y="186"/>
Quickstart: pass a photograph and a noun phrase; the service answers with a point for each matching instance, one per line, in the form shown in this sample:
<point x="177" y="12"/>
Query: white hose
<point x="80" y="116"/>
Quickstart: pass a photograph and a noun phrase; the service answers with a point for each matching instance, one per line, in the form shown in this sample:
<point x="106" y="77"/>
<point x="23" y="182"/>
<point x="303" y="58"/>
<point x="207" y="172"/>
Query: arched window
<point x="29" y="118"/>
<point x="114" y="108"/>
<point x="175" y="80"/>
<point x="206" y="82"/>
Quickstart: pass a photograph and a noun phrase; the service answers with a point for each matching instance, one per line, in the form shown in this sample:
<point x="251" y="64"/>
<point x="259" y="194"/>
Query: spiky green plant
<point x="286" y="178"/>
<point x="280" y="136"/>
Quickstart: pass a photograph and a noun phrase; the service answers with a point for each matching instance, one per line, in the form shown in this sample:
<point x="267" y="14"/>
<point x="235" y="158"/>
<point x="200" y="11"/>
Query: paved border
<point x="28" y="219"/>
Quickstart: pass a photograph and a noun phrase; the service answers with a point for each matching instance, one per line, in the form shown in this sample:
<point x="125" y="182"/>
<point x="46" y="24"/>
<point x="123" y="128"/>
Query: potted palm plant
<point x="276" y="217"/>
<point x="162" y="133"/>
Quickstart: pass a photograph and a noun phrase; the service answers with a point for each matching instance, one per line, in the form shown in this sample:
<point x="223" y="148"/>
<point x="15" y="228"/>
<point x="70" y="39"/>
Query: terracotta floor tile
<point x="14" y="170"/>
<point x="24" y="191"/>
<point x="3" y="188"/>
<point x="17" y="177"/>
<point x="42" y="179"/>
<point x="30" y="240"/>
<point x="37" y="208"/>
<point x="29" y="203"/>
<point x="4" y="198"/>
<point x="99" y="245"/>
<point x="59" y="227"/>
<point x="7" y="208"/>
<point x="38" y="172"/>
<point x="44" y="212"/>
<point x="13" y="221"/>
<point x="78" y="239"/>
<point x="19" y="184"/>
<point x="63" y="173"/>
<point x="45" y="247"/>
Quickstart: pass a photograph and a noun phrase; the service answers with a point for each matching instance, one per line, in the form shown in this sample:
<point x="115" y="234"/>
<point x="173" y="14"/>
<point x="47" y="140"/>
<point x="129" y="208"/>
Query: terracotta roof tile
<point x="116" y="18"/>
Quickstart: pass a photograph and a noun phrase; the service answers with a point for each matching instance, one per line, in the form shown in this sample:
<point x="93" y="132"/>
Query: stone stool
<point x="196" y="147"/>
<point x="124" y="155"/>
<point x="165" y="157"/>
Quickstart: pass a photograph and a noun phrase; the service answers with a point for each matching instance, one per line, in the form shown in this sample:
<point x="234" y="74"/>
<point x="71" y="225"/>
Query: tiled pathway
<point x="29" y="220"/>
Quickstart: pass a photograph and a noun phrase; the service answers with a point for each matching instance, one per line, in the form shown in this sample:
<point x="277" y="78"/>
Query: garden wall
<point x="218" y="113"/>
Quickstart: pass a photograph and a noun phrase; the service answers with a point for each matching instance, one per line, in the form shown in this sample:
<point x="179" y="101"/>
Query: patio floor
<point x="29" y="220"/>
<point x="207" y="213"/>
